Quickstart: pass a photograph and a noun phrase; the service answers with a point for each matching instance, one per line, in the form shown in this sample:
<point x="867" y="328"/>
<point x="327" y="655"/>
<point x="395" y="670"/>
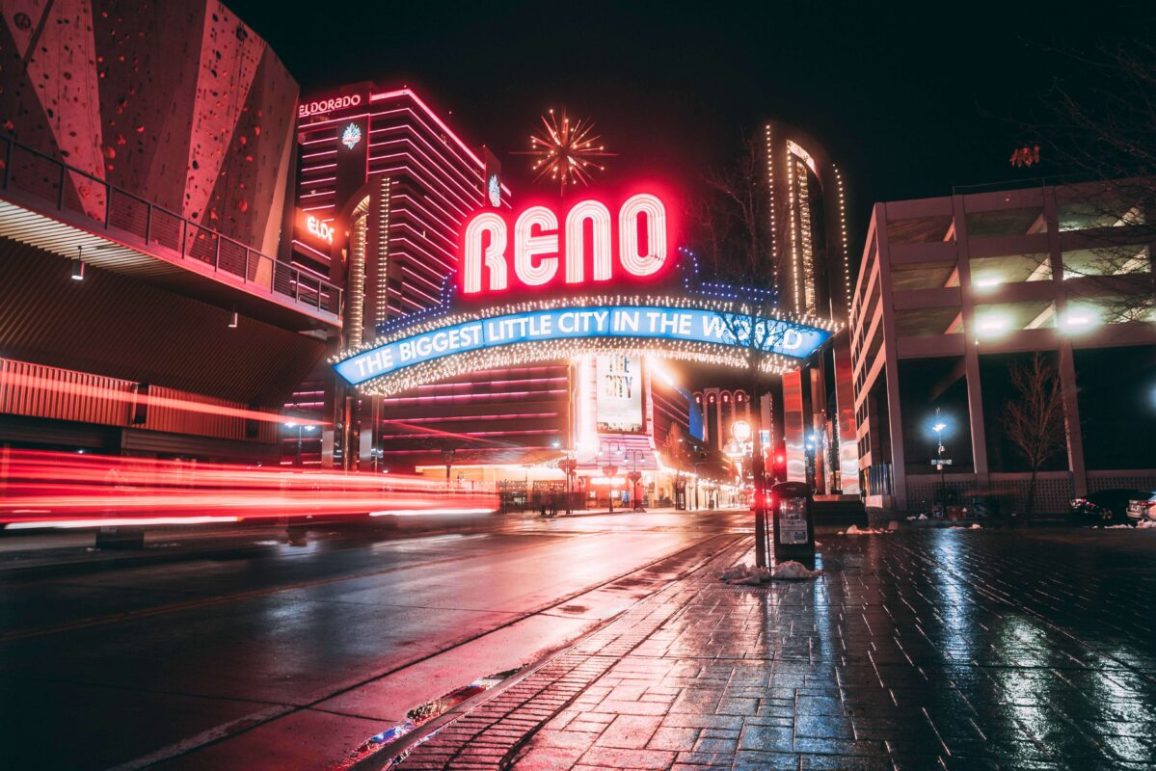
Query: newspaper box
<point x="794" y="523"/>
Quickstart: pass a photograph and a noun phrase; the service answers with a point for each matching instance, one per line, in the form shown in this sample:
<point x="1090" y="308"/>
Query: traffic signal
<point x="779" y="466"/>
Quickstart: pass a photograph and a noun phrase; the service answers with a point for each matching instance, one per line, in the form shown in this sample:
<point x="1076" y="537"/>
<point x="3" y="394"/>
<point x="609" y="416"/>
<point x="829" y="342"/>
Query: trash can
<point x="794" y="522"/>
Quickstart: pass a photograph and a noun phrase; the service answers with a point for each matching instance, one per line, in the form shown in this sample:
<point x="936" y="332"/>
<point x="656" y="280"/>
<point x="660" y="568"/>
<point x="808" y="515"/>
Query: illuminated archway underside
<point x="686" y="328"/>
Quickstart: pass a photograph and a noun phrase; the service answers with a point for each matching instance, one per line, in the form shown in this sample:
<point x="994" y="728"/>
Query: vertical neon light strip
<point x="771" y="205"/>
<point x="642" y="264"/>
<point x="792" y="205"/>
<point x="843" y="238"/>
<point x="492" y="223"/>
<point x="807" y="247"/>
<point x="601" y="244"/>
<point x="381" y="311"/>
<point x="528" y="246"/>
<point x="356" y="288"/>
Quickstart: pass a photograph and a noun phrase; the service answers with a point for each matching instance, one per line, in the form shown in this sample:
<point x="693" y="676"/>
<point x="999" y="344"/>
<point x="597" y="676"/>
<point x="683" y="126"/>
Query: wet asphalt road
<point x="135" y="664"/>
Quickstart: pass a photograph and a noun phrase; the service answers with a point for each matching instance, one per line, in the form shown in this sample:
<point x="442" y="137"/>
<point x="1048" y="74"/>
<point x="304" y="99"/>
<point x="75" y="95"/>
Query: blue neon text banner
<point x="686" y="324"/>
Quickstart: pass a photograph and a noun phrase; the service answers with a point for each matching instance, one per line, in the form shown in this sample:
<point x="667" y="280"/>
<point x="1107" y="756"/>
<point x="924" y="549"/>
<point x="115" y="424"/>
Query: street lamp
<point x="939" y="426"/>
<point x="448" y="456"/>
<point x="569" y="466"/>
<point x="610" y="471"/>
<point x="635" y="477"/>
<point x="300" y="428"/>
<point x="741" y="431"/>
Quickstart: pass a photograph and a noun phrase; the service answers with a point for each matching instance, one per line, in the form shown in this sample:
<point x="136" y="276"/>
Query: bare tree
<point x="1035" y="419"/>
<point x="1105" y="131"/>
<point x="735" y="245"/>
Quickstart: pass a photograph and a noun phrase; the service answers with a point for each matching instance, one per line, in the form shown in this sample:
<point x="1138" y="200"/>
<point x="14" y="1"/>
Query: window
<point x="990" y="272"/>
<point x="1007" y="222"/>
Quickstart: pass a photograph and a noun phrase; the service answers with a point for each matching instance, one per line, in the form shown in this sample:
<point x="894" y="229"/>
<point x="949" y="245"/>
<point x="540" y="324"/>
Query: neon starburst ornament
<point x="566" y="151"/>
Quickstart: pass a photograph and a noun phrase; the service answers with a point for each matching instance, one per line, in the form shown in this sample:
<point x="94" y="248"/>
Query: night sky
<point x="910" y="99"/>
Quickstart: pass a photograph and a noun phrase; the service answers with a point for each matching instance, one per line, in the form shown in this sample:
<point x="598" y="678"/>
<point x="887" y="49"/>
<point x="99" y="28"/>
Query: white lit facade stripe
<point x="796" y="295"/>
<point x="601" y="244"/>
<point x="648" y="209"/>
<point x="357" y="254"/>
<point x="806" y="238"/>
<point x="535" y="255"/>
<point x="381" y="309"/>
<point x="485" y="223"/>
<point x="769" y="135"/>
<point x="843" y="236"/>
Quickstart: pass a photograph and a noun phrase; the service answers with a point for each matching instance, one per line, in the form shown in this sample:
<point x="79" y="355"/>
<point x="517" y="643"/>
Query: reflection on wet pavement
<point x="927" y="649"/>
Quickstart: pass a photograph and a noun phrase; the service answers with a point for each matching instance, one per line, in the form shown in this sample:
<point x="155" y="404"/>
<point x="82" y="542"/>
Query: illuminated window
<point x="987" y="273"/>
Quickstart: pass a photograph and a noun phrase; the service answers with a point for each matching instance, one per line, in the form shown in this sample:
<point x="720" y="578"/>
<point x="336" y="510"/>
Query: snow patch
<point x="749" y="575"/>
<point x="856" y="530"/>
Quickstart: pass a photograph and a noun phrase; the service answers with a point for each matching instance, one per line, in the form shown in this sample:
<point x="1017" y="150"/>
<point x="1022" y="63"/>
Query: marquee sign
<point x="588" y="244"/>
<point x="686" y="325"/>
<point x="532" y="267"/>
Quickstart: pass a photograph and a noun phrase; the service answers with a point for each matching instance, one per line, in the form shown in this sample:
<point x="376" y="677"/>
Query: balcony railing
<point x="29" y="175"/>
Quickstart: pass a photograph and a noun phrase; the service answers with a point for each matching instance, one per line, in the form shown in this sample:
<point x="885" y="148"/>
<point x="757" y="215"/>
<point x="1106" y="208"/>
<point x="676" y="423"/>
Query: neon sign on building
<point x="561" y="263"/>
<point x="683" y="325"/>
<point x="543" y="248"/>
<point x="321" y="106"/>
<point x="316" y="228"/>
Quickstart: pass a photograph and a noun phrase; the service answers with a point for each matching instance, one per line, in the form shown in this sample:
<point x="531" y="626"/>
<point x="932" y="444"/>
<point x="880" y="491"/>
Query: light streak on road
<point x="55" y="489"/>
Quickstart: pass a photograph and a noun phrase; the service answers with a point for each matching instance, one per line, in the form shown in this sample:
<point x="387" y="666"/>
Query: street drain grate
<point x="420" y="715"/>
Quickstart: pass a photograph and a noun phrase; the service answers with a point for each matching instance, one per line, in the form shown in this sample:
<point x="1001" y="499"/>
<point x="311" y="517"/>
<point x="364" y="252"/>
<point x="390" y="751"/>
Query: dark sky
<point x="910" y="99"/>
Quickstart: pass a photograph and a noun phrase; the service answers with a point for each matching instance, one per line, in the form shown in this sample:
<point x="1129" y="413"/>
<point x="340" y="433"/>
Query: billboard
<point x="618" y="395"/>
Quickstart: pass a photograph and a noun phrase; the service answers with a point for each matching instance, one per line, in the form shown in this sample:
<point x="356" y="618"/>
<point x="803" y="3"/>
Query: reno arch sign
<point x="548" y="283"/>
<point x="588" y="244"/>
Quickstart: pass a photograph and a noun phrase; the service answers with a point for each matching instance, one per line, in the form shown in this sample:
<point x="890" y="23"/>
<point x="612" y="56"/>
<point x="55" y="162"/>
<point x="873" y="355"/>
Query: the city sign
<point x="589" y="244"/>
<point x="683" y="325"/>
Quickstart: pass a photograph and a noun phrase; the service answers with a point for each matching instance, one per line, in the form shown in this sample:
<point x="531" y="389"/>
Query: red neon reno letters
<point x="538" y="247"/>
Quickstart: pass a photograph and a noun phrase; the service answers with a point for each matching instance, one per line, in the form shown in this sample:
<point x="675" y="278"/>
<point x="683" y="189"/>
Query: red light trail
<point x="87" y="391"/>
<point x="54" y="489"/>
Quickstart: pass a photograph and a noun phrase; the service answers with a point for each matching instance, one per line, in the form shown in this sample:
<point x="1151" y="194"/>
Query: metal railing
<point x="31" y="175"/>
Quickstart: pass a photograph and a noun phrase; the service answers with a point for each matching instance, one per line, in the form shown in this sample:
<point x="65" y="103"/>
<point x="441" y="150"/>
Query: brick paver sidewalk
<point x="929" y="649"/>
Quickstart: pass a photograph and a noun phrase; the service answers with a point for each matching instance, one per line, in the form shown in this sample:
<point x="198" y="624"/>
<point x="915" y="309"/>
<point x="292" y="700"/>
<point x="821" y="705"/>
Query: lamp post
<point x="448" y="457"/>
<point x="811" y="448"/>
<point x="696" y="461"/>
<point x="635" y="477"/>
<point x="301" y="427"/>
<point x="569" y="466"/>
<point x="938" y="427"/>
<point x="610" y="471"/>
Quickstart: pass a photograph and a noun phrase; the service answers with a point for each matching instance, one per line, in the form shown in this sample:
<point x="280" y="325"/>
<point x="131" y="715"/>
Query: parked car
<point x="1104" y="507"/>
<point x="1142" y="508"/>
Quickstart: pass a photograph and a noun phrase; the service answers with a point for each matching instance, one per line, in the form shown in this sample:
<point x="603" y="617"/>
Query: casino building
<point x="148" y="305"/>
<point x="814" y="425"/>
